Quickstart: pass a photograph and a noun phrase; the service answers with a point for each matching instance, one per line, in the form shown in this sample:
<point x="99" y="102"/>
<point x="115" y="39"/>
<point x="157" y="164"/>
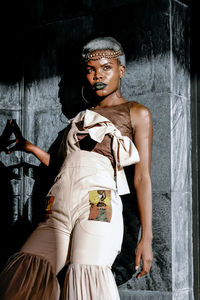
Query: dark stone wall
<point x="40" y="86"/>
<point x="195" y="110"/>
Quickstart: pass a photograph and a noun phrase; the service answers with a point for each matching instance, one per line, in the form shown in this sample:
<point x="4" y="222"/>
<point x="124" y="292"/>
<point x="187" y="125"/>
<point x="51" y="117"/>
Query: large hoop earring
<point x="82" y="94"/>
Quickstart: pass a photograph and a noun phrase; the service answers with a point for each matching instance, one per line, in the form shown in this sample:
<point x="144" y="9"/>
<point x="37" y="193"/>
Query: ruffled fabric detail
<point x="89" y="282"/>
<point x="97" y="127"/>
<point x="28" y="277"/>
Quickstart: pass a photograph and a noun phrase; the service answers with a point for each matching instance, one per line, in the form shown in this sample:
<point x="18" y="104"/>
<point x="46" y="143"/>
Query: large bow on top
<point x="97" y="127"/>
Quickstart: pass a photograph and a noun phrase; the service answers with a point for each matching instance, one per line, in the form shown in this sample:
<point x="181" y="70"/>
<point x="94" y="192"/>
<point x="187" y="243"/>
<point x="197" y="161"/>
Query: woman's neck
<point x="111" y="100"/>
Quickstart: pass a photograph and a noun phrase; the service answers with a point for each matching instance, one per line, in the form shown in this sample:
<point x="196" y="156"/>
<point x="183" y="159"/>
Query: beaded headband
<point x="107" y="53"/>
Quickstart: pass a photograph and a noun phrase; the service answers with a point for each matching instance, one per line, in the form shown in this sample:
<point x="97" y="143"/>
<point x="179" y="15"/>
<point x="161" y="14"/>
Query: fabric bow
<point x="97" y="126"/>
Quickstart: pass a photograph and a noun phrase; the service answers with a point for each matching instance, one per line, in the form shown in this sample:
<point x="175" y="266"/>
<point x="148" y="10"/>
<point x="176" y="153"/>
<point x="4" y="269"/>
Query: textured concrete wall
<point x="161" y="82"/>
<point x="155" y="38"/>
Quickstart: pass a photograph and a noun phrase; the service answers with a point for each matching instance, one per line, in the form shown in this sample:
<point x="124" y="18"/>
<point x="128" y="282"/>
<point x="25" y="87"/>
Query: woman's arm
<point x="142" y="124"/>
<point x="42" y="155"/>
<point x="23" y="145"/>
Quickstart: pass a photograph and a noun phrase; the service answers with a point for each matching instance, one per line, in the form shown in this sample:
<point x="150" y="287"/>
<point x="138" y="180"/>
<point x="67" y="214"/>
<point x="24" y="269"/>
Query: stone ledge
<point x="145" y="295"/>
<point x="186" y="294"/>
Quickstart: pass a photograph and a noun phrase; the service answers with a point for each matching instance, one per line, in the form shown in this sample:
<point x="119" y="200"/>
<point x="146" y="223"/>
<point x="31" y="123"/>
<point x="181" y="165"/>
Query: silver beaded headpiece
<point x="98" y="54"/>
<point x="104" y="47"/>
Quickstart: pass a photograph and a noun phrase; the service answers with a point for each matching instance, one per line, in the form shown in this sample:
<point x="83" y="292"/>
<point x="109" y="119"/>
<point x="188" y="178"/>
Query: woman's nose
<point x="97" y="75"/>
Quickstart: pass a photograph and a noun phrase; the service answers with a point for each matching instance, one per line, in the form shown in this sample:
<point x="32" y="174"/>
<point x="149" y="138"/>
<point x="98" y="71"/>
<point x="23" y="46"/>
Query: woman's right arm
<point x="42" y="155"/>
<point x="23" y="145"/>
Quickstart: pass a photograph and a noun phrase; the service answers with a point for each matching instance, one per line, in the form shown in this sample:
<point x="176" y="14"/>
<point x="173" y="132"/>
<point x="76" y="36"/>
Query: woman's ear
<point x="121" y="70"/>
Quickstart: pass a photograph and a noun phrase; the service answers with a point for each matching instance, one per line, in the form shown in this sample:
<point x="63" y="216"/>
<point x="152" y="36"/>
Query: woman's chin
<point x="101" y="93"/>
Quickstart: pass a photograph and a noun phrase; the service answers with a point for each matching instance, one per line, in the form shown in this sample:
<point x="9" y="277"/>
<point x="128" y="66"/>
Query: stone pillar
<point x="161" y="81"/>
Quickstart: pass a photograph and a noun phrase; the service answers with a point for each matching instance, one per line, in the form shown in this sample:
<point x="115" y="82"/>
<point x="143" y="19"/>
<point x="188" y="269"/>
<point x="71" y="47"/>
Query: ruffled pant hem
<point x="31" y="277"/>
<point x="28" y="276"/>
<point x="89" y="282"/>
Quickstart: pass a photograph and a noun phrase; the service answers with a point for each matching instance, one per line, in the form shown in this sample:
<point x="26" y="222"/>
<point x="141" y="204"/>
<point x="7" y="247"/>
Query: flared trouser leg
<point x="89" y="275"/>
<point x="94" y="249"/>
<point x="31" y="273"/>
<point x="28" y="277"/>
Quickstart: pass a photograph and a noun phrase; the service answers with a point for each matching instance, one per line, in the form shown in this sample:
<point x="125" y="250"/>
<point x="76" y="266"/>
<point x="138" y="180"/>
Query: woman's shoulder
<point x="138" y="108"/>
<point x="139" y="112"/>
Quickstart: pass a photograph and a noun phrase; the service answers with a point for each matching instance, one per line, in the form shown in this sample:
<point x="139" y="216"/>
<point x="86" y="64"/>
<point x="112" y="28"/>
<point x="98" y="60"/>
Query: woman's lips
<point x="99" y="85"/>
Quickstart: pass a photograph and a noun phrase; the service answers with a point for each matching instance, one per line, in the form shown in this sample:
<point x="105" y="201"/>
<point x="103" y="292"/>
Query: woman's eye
<point x="89" y="71"/>
<point x="107" y="68"/>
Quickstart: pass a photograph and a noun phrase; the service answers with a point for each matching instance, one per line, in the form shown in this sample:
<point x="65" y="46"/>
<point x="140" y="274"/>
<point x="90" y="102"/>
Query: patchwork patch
<point x="49" y="202"/>
<point x="100" y="205"/>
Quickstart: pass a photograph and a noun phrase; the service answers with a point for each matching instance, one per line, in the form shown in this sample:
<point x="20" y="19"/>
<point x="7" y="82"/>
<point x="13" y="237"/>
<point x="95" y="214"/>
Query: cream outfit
<point x="83" y="223"/>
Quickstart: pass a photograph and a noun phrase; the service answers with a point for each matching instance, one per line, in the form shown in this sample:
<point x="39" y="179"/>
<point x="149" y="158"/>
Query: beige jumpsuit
<point x="83" y="223"/>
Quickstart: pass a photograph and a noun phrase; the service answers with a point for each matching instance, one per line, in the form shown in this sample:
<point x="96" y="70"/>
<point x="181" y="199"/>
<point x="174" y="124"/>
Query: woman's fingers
<point x="20" y="143"/>
<point x="11" y="127"/>
<point x="142" y="273"/>
<point x="146" y="266"/>
<point x="4" y="138"/>
<point x="14" y="148"/>
<point x="16" y="129"/>
<point x="144" y="256"/>
<point x="137" y="259"/>
<point x="10" y="142"/>
<point x="7" y="131"/>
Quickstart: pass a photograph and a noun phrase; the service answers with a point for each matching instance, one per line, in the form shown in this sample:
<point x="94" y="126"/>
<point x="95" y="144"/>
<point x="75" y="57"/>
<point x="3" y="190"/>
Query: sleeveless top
<point x="119" y="115"/>
<point x="96" y="130"/>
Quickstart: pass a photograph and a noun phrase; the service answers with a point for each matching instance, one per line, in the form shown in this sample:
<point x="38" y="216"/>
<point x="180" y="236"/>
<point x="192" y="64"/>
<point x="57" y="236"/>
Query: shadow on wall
<point x="12" y="235"/>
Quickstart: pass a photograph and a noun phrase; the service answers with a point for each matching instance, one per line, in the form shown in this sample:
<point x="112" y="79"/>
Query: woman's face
<point x="104" y="75"/>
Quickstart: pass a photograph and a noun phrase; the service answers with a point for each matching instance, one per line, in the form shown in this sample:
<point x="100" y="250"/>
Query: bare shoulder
<point x="139" y="113"/>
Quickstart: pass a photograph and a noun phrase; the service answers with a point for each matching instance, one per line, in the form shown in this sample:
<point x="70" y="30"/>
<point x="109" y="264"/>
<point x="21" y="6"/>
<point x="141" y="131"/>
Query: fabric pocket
<point x="100" y="205"/>
<point x="49" y="202"/>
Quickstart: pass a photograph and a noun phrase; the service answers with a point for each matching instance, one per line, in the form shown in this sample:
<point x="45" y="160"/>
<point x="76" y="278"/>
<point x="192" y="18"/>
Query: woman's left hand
<point x="144" y="255"/>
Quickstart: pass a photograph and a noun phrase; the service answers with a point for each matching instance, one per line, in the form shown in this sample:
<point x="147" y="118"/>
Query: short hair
<point x="104" y="43"/>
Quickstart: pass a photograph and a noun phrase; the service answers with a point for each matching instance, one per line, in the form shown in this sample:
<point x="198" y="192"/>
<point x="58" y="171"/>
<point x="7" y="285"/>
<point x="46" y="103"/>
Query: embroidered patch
<point x="49" y="200"/>
<point x="100" y="205"/>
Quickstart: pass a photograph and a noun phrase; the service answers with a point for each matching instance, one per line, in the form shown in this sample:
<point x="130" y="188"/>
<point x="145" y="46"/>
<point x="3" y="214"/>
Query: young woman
<point x="83" y="222"/>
